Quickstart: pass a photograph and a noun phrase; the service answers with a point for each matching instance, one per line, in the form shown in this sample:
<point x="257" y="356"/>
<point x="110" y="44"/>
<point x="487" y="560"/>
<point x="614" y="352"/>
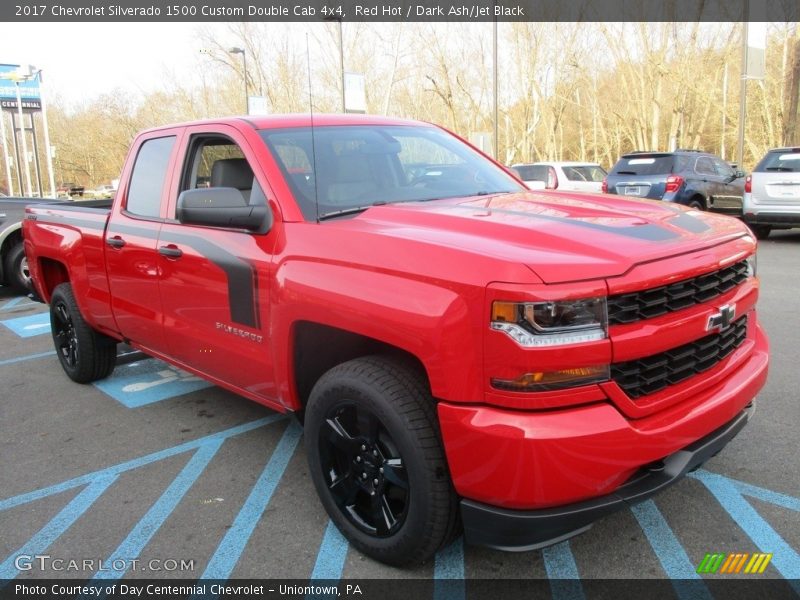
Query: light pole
<point x="236" y="50"/>
<point x="47" y="147"/>
<point x="28" y="189"/>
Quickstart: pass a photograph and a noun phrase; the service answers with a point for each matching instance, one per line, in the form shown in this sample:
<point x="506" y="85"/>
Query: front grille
<point x="629" y="308"/>
<point x="653" y="373"/>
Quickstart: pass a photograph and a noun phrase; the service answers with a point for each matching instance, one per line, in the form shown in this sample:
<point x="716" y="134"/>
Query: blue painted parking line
<point x="57" y="525"/>
<point x="136" y="463"/>
<point x="11" y="361"/>
<point x="12" y="303"/>
<point x="765" y="495"/>
<point x="98" y="481"/>
<point x="448" y="572"/>
<point x="332" y="554"/>
<point x="670" y="552"/>
<point x="29" y="326"/>
<point x="227" y="554"/>
<point x="151" y="522"/>
<point x="562" y="570"/>
<point x="148" y="381"/>
<point x="785" y="559"/>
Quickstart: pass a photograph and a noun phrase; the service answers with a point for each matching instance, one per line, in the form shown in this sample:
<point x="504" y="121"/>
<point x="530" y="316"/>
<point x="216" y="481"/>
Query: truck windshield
<point x="358" y="166"/>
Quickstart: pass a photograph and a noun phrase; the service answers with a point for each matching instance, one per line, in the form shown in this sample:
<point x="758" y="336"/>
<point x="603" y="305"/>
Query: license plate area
<point x="634" y="190"/>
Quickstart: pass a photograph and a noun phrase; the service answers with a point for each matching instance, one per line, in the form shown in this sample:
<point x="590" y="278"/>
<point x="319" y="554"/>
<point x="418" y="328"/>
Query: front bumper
<point x="535" y="476"/>
<point x="517" y="530"/>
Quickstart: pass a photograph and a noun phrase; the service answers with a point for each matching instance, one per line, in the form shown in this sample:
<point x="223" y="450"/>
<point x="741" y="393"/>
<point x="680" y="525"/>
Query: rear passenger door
<point x="130" y="241"/>
<point x="215" y="281"/>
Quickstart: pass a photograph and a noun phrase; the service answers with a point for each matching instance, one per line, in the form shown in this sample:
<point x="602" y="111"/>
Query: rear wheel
<point x="377" y="461"/>
<point x="761" y="231"/>
<point x="16" y="268"/>
<point x="84" y="354"/>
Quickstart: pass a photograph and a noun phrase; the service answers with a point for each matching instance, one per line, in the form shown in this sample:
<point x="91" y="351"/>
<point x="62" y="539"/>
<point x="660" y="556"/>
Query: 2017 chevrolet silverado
<point x="463" y="352"/>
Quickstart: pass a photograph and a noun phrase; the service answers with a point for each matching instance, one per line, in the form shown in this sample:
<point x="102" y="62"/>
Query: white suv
<point x="570" y="176"/>
<point x="772" y="192"/>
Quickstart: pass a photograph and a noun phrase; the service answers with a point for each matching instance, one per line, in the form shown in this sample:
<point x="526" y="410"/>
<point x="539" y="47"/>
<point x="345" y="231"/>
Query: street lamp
<point x="236" y="50"/>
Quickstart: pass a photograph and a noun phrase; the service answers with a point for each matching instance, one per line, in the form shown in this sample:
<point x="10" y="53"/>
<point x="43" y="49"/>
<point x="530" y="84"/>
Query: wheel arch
<point x="317" y="348"/>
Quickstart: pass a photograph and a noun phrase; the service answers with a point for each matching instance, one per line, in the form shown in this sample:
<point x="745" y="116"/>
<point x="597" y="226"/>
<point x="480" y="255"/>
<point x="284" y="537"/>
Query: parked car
<point x="459" y="352"/>
<point x="772" y="192"/>
<point x="569" y="176"/>
<point x="13" y="264"/>
<point x="70" y="190"/>
<point x="689" y="177"/>
<point x="103" y="191"/>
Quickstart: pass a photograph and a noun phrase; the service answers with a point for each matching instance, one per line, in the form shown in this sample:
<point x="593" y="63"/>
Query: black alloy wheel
<point x="64" y="336"/>
<point x="376" y="459"/>
<point x="84" y="354"/>
<point x="364" y="470"/>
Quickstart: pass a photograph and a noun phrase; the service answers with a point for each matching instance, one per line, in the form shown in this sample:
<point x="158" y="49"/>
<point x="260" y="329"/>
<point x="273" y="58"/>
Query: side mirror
<point x="222" y="207"/>
<point x="740" y="174"/>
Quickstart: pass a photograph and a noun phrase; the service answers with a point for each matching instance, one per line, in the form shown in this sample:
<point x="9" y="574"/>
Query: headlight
<point x="555" y="323"/>
<point x="752" y="265"/>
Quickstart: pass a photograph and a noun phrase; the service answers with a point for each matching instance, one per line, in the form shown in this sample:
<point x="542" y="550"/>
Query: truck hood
<point x="561" y="237"/>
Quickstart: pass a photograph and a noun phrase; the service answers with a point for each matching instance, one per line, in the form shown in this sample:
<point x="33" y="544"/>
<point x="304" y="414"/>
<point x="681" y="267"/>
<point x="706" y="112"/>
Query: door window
<point x="149" y="174"/>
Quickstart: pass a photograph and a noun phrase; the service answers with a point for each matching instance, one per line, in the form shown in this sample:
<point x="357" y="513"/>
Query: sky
<point x="81" y="60"/>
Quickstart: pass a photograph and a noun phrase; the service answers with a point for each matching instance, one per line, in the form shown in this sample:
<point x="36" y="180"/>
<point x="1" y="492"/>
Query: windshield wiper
<point x="778" y="169"/>
<point x="348" y="211"/>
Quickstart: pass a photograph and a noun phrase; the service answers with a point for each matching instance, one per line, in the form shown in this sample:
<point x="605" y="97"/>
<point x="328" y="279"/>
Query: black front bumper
<point x="517" y="530"/>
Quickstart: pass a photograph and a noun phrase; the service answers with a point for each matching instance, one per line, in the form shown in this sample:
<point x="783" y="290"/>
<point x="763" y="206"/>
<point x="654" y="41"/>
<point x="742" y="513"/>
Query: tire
<point x="84" y="354"/>
<point x="377" y="462"/>
<point x="16" y="269"/>
<point x="697" y="204"/>
<point x="761" y="231"/>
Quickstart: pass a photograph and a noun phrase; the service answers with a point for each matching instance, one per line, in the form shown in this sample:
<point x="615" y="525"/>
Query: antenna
<point x="313" y="141"/>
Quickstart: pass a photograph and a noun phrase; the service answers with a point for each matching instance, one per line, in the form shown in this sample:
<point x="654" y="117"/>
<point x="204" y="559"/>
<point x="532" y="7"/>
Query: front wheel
<point x="377" y="462"/>
<point x="697" y="204"/>
<point x="84" y="354"/>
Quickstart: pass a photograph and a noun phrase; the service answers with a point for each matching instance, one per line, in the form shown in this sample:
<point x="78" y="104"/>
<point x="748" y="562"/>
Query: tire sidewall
<point x="338" y="391"/>
<point x="13" y="267"/>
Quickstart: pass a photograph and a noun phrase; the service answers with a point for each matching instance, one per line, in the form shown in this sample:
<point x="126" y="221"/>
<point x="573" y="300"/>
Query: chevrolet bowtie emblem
<point x="723" y="319"/>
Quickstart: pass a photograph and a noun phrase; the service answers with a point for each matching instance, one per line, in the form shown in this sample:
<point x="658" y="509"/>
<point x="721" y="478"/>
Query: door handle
<point x="170" y="251"/>
<point x="115" y="242"/>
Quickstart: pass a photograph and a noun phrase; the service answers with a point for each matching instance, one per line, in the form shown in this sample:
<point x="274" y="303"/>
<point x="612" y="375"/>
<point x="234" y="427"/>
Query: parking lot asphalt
<point x="172" y="477"/>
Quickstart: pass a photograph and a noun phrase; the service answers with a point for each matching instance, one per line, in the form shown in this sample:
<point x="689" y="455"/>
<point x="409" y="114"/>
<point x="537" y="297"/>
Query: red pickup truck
<point x="462" y="351"/>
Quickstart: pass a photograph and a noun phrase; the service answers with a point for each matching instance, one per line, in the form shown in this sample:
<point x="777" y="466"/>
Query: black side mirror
<point x="222" y="207"/>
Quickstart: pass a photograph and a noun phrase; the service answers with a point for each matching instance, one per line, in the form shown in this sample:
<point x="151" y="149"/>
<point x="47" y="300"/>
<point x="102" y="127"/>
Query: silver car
<point x="772" y="192"/>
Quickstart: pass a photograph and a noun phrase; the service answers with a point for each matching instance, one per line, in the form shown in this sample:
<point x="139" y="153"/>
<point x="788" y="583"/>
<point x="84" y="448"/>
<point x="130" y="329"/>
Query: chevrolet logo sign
<point x="723" y="319"/>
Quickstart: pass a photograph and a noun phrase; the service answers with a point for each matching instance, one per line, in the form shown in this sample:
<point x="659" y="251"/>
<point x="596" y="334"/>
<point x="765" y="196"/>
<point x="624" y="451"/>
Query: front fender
<point x="438" y="324"/>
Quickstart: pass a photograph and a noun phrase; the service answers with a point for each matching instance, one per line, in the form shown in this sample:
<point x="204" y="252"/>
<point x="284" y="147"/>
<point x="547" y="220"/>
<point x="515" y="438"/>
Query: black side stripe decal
<point x="242" y="276"/>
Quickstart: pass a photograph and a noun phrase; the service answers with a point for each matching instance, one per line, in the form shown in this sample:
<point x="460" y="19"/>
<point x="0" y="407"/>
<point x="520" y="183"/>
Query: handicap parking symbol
<point x="148" y="381"/>
<point x="29" y="326"/>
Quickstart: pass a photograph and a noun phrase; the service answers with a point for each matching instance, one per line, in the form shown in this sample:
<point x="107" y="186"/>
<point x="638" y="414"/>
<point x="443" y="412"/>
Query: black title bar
<point x="394" y="11"/>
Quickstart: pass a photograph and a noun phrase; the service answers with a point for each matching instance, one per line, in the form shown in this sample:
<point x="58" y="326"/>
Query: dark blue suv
<point x="687" y="177"/>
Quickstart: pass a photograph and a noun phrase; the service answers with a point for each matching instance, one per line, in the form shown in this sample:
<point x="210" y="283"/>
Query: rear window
<point x="643" y="165"/>
<point x="531" y="172"/>
<point x="780" y="162"/>
<point x="584" y="173"/>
